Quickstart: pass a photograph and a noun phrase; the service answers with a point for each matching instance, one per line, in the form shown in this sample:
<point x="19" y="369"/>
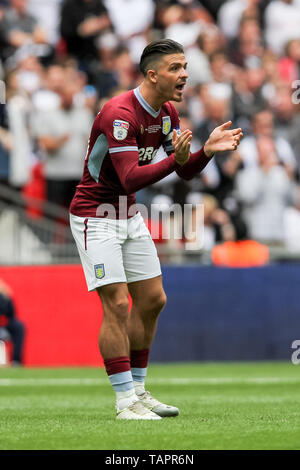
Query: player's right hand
<point x="181" y="144"/>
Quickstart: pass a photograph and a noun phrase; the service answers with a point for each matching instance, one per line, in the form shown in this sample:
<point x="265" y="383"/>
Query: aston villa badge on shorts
<point x="99" y="271"/>
<point x="120" y="129"/>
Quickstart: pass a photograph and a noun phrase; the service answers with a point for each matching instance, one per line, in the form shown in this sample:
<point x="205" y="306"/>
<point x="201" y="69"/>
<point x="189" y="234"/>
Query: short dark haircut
<point x="156" y="49"/>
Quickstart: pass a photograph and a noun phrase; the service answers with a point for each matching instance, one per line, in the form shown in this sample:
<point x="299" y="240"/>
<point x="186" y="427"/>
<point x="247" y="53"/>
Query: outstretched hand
<point x="222" y="139"/>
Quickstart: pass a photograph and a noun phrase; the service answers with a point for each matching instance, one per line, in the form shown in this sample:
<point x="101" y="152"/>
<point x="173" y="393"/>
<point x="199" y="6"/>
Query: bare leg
<point x="113" y="338"/>
<point x="114" y="347"/>
<point x="148" y="299"/>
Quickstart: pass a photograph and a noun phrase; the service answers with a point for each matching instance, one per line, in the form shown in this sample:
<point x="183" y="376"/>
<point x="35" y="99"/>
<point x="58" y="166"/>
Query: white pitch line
<point x="57" y="382"/>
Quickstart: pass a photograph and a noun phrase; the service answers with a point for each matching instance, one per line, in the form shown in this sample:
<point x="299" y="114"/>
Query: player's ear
<point x="152" y="76"/>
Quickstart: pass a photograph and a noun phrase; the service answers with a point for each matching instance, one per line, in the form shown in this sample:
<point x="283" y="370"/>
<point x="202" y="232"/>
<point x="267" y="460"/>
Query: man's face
<point x="19" y="5"/>
<point x="263" y="124"/>
<point x="171" y="76"/>
<point x="218" y="109"/>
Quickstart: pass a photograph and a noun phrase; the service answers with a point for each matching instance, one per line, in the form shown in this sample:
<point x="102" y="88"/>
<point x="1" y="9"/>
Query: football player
<point x="115" y="247"/>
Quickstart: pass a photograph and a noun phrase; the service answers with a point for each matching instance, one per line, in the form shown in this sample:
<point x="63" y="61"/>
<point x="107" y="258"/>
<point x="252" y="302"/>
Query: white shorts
<point x="114" y="250"/>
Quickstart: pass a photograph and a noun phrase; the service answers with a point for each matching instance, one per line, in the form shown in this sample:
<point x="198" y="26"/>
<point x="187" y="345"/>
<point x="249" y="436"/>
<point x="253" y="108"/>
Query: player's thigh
<point x="100" y="251"/>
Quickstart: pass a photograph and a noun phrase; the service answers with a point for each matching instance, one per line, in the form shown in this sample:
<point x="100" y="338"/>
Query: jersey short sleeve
<point x="167" y="143"/>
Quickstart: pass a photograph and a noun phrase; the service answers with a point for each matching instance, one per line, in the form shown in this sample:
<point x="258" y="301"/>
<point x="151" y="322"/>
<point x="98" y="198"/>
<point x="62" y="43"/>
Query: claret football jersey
<point x="126" y="132"/>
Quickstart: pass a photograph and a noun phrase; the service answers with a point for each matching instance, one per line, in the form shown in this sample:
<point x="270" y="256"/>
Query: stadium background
<point x="244" y="63"/>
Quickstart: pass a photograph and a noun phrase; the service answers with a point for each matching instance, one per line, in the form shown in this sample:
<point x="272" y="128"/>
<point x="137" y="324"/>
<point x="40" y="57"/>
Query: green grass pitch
<point x="222" y="406"/>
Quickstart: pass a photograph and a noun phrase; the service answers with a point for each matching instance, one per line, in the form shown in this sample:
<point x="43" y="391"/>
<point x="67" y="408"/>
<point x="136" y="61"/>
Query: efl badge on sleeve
<point x="166" y="125"/>
<point x="120" y="129"/>
<point x="99" y="271"/>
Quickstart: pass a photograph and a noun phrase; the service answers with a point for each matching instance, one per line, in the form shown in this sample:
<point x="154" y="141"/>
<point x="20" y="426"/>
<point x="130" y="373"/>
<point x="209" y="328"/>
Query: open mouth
<point x="180" y="87"/>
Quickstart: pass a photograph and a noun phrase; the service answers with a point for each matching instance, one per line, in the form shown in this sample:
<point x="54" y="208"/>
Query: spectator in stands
<point x="198" y="63"/>
<point x="212" y="6"/>
<point x="5" y="146"/>
<point x="291" y="224"/>
<point x="3" y="42"/>
<point x="247" y="99"/>
<point x="18" y="111"/>
<point x="263" y="125"/>
<point x="271" y="77"/>
<point x="118" y="71"/>
<point x="248" y="43"/>
<point x="207" y="180"/>
<point x="30" y="72"/>
<point x="289" y="66"/>
<point x="63" y="134"/>
<point x="20" y="28"/>
<point x="9" y="321"/>
<point x="47" y="15"/>
<point x="103" y="73"/>
<point x="241" y="252"/>
<point x="287" y="119"/>
<point x="221" y="70"/>
<point x="132" y="23"/>
<point x="265" y="191"/>
<point x="282" y="19"/>
<point x="217" y="109"/>
<point x="47" y="97"/>
<point x="231" y="13"/>
<point x="186" y="22"/>
<point x="82" y="21"/>
<point x="215" y="224"/>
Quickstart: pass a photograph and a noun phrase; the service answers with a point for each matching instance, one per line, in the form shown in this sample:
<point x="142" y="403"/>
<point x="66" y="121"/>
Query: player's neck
<point x="151" y="96"/>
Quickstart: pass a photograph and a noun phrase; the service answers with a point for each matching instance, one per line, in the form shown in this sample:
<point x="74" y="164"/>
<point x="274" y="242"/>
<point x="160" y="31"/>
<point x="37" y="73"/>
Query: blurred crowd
<point x="61" y="60"/>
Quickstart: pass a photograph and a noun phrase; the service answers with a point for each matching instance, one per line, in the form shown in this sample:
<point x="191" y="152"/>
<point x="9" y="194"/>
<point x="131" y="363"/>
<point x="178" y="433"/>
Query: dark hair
<point x="156" y="49"/>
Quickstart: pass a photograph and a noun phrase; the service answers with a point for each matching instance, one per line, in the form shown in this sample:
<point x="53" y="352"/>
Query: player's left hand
<point x="222" y="138"/>
<point x="181" y="144"/>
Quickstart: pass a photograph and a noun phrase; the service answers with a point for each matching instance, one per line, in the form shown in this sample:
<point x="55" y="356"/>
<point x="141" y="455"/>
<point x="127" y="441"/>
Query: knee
<point x="119" y="308"/>
<point x="156" y="301"/>
<point x="115" y="303"/>
<point x="161" y="300"/>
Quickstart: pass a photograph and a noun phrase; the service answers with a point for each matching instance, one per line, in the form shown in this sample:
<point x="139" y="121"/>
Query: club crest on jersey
<point x="166" y="125"/>
<point x="120" y="129"/>
<point x="99" y="271"/>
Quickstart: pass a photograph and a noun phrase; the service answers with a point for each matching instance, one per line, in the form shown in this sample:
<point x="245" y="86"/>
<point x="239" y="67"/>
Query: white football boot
<point x="136" y="411"/>
<point x="156" y="406"/>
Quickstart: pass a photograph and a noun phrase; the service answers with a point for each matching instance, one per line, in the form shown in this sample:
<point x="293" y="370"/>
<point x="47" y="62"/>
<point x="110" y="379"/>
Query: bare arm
<point x="6" y="139"/>
<point x="94" y="25"/>
<point x="52" y="144"/>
